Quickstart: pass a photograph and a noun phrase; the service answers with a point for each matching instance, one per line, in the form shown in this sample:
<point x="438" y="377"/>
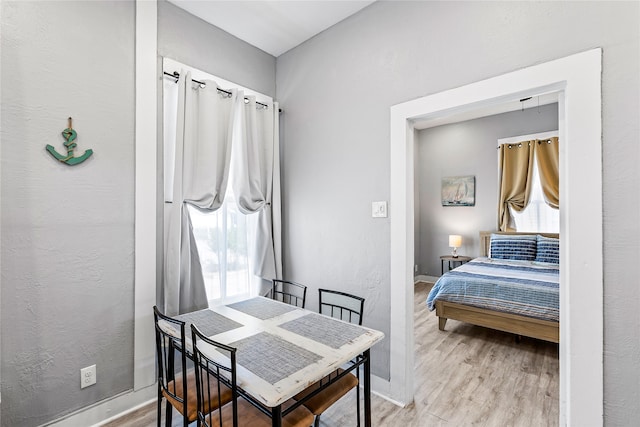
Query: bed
<point x="519" y="296"/>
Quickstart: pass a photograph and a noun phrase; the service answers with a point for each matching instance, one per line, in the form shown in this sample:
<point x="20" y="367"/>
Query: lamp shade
<point x="455" y="241"/>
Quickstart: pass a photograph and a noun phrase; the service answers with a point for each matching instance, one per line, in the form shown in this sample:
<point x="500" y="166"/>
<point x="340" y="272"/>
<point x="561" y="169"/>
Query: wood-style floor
<point x="466" y="376"/>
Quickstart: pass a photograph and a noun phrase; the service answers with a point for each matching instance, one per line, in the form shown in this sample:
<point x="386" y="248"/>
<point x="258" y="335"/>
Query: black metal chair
<point x="289" y="292"/>
<point x="215" y="365"/>
<point x="177" y="383"/>
<point x="349" y="308"/>
<point x="341" y="305"/>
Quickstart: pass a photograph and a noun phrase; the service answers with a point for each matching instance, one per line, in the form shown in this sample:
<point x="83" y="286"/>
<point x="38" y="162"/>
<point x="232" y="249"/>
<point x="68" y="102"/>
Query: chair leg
<point x="316" y="421"/>
<point x="159" y="407"/>
<point x="169" y="413"/>
<point x="358" y="396"/>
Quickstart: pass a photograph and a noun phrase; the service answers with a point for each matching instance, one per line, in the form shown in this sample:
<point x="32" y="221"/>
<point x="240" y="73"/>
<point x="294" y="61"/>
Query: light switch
<point x="379" y="209"/>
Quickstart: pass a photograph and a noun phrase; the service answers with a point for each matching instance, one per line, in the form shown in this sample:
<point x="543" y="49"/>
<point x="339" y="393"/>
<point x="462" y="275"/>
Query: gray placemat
<point x="262" y="308"/>
<point x="272" y="358"/>
<point x="323" y="329"/>
<point x="209" y="322"/>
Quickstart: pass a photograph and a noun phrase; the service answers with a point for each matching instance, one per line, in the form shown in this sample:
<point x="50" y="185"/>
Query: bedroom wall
<point x="67" y="233"/>
<point x="465" y="148"/>
<point x="338" y="87"/>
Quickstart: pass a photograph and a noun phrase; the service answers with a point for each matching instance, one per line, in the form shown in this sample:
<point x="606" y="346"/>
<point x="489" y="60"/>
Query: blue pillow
<point x="548" y="250"/>
<point x="518" y="247"/>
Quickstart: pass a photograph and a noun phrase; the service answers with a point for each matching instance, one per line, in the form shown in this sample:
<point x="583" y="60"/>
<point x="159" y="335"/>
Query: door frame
<point x="577" y="79"/>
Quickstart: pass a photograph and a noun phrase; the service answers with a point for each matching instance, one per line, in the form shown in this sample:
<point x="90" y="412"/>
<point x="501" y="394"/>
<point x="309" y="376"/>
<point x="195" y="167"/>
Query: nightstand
<point x="453" y="260"/>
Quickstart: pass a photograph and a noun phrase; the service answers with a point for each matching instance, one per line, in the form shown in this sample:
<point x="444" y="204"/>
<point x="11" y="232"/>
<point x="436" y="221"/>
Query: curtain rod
<point x="517" y="140"/>
<point x="519" y="144"/>
<point x="176" y="75"/>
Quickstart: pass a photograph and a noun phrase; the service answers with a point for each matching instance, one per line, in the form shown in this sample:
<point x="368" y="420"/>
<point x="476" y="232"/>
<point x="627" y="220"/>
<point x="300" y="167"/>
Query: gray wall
<point x="67" y="232"/>
<point x="466" y="148"/>
<point x="192" y="41"/>
<point x="337" y="89"/>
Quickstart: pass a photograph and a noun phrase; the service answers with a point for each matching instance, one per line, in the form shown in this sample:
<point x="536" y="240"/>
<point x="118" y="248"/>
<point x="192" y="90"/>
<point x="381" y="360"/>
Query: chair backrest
<point x="216" y="367"/>
<point x="289" y="292"/>
<point x="167" y="345"/>
<point x="341" y="305"/>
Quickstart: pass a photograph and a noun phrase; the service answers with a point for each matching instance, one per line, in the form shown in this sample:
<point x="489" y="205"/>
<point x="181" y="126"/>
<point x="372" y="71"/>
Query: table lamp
<point x="455" y="242"/>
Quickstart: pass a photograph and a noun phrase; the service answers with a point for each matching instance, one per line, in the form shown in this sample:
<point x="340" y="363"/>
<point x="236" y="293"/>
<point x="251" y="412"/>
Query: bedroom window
<point x="529" y="191"/>
<point x="537" y="216"/>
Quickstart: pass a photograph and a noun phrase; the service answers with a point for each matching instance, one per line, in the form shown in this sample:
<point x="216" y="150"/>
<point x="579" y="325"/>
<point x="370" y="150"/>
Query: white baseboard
<point x="382" y="388"/>
<point x="108" y="410"/>
<point x="423" y="278"/>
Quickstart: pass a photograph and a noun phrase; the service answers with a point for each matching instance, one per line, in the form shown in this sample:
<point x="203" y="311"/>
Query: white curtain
<point x="256" y="183"/>
<point x="200" y="175"/>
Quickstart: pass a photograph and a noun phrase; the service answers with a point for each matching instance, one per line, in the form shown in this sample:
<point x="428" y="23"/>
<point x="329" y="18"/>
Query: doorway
<point x="577" y="80"/>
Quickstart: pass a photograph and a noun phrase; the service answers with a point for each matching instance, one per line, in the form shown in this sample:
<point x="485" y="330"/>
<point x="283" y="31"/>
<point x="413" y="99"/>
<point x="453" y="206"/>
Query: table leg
<point x="367" y="388"/>
<point x="276" y="416"/>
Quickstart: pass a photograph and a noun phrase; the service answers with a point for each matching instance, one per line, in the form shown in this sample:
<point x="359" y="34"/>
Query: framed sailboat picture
<point x="459" y="191"/>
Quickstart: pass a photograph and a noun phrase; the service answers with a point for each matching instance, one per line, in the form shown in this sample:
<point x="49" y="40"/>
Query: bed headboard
<point x="485" y="238"/>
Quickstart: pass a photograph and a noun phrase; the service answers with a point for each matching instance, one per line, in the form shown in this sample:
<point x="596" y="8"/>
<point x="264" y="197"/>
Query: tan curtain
<point x="547" y="155"/>
<point x="516" y="170"/>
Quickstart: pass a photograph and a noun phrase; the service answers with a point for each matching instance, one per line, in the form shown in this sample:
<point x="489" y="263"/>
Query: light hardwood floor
<point x="466" y="376"/>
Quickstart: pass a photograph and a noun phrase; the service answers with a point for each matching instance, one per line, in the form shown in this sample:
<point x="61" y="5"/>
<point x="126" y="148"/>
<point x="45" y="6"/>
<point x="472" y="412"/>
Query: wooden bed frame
<point x="513" y="323"/>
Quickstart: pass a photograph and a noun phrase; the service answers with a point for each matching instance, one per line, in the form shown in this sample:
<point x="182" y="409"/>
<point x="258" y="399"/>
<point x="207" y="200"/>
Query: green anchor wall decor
<point x="69" y="135"/>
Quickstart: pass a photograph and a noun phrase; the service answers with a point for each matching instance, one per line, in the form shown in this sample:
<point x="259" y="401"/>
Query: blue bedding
<point x="526" y="288"/>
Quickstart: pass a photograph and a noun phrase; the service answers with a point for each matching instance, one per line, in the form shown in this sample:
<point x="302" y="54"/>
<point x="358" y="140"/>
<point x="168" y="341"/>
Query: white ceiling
<point x="273" y="26"/>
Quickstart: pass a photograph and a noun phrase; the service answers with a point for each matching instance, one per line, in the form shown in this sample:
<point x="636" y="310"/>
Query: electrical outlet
<point x="87" y="376"/>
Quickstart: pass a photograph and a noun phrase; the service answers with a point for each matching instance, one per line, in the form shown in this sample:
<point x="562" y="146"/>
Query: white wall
<point x="337" y="90"/>
<point x="465" y="148"/>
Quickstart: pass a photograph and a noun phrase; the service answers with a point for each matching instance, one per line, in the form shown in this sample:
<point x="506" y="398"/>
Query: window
<point x="226" y="238"/>
<point x="537" y="216"/>
<point x="222" y="241"/>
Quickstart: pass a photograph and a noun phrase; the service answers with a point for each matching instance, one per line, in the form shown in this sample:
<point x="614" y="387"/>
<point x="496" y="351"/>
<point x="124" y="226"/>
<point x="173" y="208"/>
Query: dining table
<point x="282" y="349"/>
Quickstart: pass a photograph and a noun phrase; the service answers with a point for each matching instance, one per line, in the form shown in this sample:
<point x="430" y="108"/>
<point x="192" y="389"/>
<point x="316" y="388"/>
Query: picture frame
<point x="459" y="190"/>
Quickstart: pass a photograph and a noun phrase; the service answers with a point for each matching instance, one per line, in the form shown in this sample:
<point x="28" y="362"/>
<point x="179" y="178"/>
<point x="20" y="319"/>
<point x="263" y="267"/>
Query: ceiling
<point x="273" y="26"/>
<point x="276" y="26"/>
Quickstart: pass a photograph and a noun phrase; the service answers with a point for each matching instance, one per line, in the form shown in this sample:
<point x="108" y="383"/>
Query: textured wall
<point x="466" y="148"/>
<point x="337" y="89"/>
<point x="67" y="232"/>
<point x="192" y="41"/>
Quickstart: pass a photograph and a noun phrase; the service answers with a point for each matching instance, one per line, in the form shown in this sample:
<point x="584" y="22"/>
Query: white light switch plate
<point x="379" y="209"/>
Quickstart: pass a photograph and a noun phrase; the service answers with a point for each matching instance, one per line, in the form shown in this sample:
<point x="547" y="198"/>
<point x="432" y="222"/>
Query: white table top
<point x="319" y="345"/>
